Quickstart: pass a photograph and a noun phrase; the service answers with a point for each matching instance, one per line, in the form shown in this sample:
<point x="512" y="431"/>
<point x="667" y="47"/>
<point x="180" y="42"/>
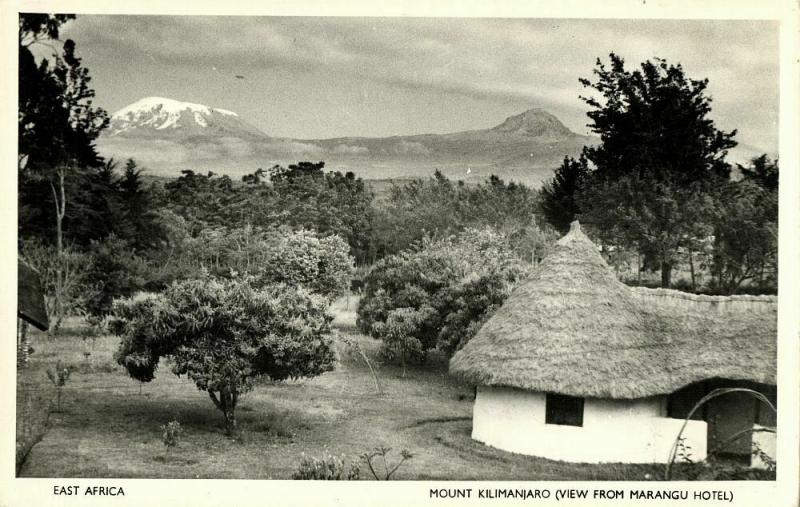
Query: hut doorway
<point x="726" y="415"/>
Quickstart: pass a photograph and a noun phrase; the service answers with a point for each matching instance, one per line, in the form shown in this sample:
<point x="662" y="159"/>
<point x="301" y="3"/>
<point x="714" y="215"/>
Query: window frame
<point x="563" y="410"/>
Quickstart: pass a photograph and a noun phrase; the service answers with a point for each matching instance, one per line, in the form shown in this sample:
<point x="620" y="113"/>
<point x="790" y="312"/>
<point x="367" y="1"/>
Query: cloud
<point x="288" y="147"/>
<point x="533" y="60"/>
<point x="410" y="148"/>
<point x="474" y="55"/>
<point x="344" y="149"/>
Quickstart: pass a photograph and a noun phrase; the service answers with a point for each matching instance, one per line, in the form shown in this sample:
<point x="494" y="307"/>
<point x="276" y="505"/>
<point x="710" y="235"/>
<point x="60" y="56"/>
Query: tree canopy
<point x="559" y="203"/>
<point x="659" y="159"/>
<point x="224" y="335"/>
<point x="654" y="122"/>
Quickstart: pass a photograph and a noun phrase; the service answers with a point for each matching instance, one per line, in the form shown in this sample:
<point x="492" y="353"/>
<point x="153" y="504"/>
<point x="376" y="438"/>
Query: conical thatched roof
<point x="573" y="328"/>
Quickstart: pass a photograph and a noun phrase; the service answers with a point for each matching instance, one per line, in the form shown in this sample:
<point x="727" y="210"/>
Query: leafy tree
<point x="270" y="256"/>
<point x="224" y="335"/>
<point x="297" y="171"/>
<point x="41" y="113"/>
<point x="300" y="259"/>
<point x="746" y="229"/>
<point x="58" y="124"/>
<point x="559" y="195"/>
<point x="138" y="223"/>
<point x="440" y="293"/>
<point x="468" y="304"/>
<point x="415" y="210"/>
<point x="761" y="171"/>
<point x="116" y="271"/>
<point x="35" y="27"/>
<point x="656" y="219"/>
<point x="659" y="152"/>
<point x="66" y="279"/>
<point x="202" y="200"/>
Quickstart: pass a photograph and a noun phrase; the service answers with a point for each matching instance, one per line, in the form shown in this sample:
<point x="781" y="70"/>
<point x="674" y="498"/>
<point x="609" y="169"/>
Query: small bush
<point x="171" y="434"/>
<point x="327" y="468"/>
<point x="388" y="470"/>
<point x="59" y="377"/>
<point x="398" y="338"/>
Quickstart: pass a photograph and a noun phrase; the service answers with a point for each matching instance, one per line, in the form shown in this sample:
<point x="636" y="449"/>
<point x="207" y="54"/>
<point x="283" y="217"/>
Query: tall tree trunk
<point x="717" y="261"/>
<point x="666" y="274"/>
<point x="691" y="269"/>
<point x="226" y="402"/>
<point x="60" y="201"/>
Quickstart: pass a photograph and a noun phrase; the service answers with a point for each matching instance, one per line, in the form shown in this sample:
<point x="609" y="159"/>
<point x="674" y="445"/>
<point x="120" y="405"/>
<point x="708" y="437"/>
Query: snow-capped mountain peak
<point x="158" y="114"/>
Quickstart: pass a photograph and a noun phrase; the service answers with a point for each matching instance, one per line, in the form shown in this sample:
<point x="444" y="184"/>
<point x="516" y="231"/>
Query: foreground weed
<point x="59" y="378"/>
<point x="381" y="452"/>
<point x="327" y="468"/>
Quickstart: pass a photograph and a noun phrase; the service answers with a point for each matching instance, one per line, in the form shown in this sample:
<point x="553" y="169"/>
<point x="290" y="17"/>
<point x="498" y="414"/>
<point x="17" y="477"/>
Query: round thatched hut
<point x="578" y="366"/>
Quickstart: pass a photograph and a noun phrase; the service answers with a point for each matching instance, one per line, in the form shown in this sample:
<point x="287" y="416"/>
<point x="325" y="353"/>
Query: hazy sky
<point x="331" y="77"/>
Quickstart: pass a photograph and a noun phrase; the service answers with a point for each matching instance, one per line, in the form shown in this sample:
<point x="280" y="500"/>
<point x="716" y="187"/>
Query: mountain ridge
<point x="166" y="136"/>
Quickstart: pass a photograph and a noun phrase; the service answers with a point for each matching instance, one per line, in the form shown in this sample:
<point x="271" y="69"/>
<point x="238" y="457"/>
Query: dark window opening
<point x="564" y="410"/>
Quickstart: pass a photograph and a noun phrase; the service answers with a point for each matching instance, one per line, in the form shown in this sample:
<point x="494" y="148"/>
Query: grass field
<point x="109" y="424"/>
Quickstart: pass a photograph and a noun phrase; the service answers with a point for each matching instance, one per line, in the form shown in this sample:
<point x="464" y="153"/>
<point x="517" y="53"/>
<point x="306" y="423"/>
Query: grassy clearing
<point x="108" y="428"/>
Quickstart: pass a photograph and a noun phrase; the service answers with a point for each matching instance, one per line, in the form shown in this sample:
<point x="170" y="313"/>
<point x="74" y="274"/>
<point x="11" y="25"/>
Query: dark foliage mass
<point x="658" y="185"/>
<point x="57" y="126"/>
<point x="559" y="202"/>
<point x="300" y="196"/>
<point x="438" y="207"/>
<point x="659" y="155"/>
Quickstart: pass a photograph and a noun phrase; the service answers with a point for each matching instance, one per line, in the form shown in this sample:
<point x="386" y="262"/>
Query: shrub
<point x="397" y="335"/>
<point x="59" y="377"/>
<point x="301" y="259"/>
<point x="440" y="293"/>
<point x="327" y="468"/>
<point x="225" y="334"/>
<point x="467" y="305"/>
<point x="171" y="433"/>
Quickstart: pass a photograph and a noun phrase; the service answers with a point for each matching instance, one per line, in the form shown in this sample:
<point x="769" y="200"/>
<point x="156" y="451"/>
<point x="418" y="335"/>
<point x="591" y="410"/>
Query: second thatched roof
<point x="573" y="328"/>
<point x="30" y="297"/>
